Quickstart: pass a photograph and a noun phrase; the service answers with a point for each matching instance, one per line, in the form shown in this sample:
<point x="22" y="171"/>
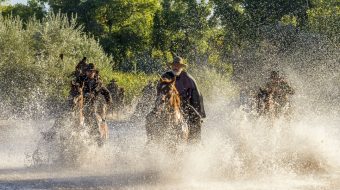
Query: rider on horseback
<point x="91" y="89"/>
<point x="280" y="90"/>
<point x="92" y="86"/>
<point x="191" y="99"/>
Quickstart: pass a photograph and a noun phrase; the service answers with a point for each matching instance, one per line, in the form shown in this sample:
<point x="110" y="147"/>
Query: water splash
<point x="238" y="151"/>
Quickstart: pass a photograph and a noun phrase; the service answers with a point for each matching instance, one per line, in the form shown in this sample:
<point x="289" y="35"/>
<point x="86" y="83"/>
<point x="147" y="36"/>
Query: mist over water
<point x="238" y="150"/>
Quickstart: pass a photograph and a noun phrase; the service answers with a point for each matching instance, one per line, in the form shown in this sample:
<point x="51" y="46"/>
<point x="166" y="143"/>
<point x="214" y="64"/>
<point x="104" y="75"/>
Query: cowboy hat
<point x="91" y="67"/>
<point x="178" y="60"/>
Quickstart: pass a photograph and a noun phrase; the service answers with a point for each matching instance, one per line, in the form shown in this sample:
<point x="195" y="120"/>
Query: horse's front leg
<point x="103" y="128"/>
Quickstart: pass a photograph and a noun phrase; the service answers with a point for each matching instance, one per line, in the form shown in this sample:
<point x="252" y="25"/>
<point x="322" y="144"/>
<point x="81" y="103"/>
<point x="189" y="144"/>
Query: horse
<point x="73" y="112"/>
<point x="165" y="124"/>
<point x="67" y="139"/>
<point x="61" y="143"/>
<point x="100" y="114"/>
<point x="272" y="106"/>
<point x="77" y="103"/>
<point x="82" y="114"/>
<point x="94" y="111"/>
<point x="265" y="102"/>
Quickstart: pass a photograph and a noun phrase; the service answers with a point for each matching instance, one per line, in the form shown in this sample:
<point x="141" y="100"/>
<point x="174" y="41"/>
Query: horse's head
<point x="167" y="96"/>
<point x="168" y="100"/>
<point x="167" y="114"/>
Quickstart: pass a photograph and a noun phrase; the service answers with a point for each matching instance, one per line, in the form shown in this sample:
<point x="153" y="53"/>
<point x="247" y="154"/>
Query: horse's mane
<point x="174" y="101"/>
<point x="167" y="114"/>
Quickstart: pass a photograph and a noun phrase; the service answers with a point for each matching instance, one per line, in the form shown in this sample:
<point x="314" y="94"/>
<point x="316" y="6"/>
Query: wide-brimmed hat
<point x="178" y="60"/>
<point x="91" y="67"/>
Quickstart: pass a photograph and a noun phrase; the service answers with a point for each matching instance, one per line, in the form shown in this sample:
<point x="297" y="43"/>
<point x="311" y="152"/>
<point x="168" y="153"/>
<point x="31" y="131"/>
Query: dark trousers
<point x="194" y="121"/>
<point x="194" y="132"/>
<point x="195" y="124"/>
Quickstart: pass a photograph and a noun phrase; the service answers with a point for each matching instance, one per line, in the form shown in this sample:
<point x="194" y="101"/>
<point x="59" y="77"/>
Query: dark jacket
<point x="94" y="87"/>
<point x="188" y="91"/>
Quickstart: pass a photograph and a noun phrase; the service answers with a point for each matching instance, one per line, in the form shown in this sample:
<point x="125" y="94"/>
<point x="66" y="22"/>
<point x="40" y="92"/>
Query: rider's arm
<point x="196" y="99"/>
<point x="197" y="102"/>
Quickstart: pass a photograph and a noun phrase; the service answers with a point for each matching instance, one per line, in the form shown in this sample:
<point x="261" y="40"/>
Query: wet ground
<point x="123" y="163"/>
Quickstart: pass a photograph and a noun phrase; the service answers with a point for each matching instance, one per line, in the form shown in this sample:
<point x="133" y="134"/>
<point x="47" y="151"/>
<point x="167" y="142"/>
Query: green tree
<point x="245" y="19"/>
<point x="324" y="18"/>
<point x="122" y="26"/>
<point x="128" y="26"/>
<point x="33" y="8"/>
<point x="182" y="26"/>
<point x="264" y="12"/>
<point x="236" y="24"/>
<point x="30" y="64"/>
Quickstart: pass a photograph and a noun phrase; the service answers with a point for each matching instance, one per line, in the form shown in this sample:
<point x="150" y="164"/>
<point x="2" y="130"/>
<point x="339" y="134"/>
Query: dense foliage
<point x="140" y="34"/>
<point x="32" y="71"/>
<point x="132" y="40"/>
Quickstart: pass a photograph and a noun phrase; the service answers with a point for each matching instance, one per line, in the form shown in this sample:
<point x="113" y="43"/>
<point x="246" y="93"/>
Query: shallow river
<point x="235" y="154"/>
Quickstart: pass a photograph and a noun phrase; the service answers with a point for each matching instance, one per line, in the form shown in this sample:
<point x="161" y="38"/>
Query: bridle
<point x="167" y="102"/>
